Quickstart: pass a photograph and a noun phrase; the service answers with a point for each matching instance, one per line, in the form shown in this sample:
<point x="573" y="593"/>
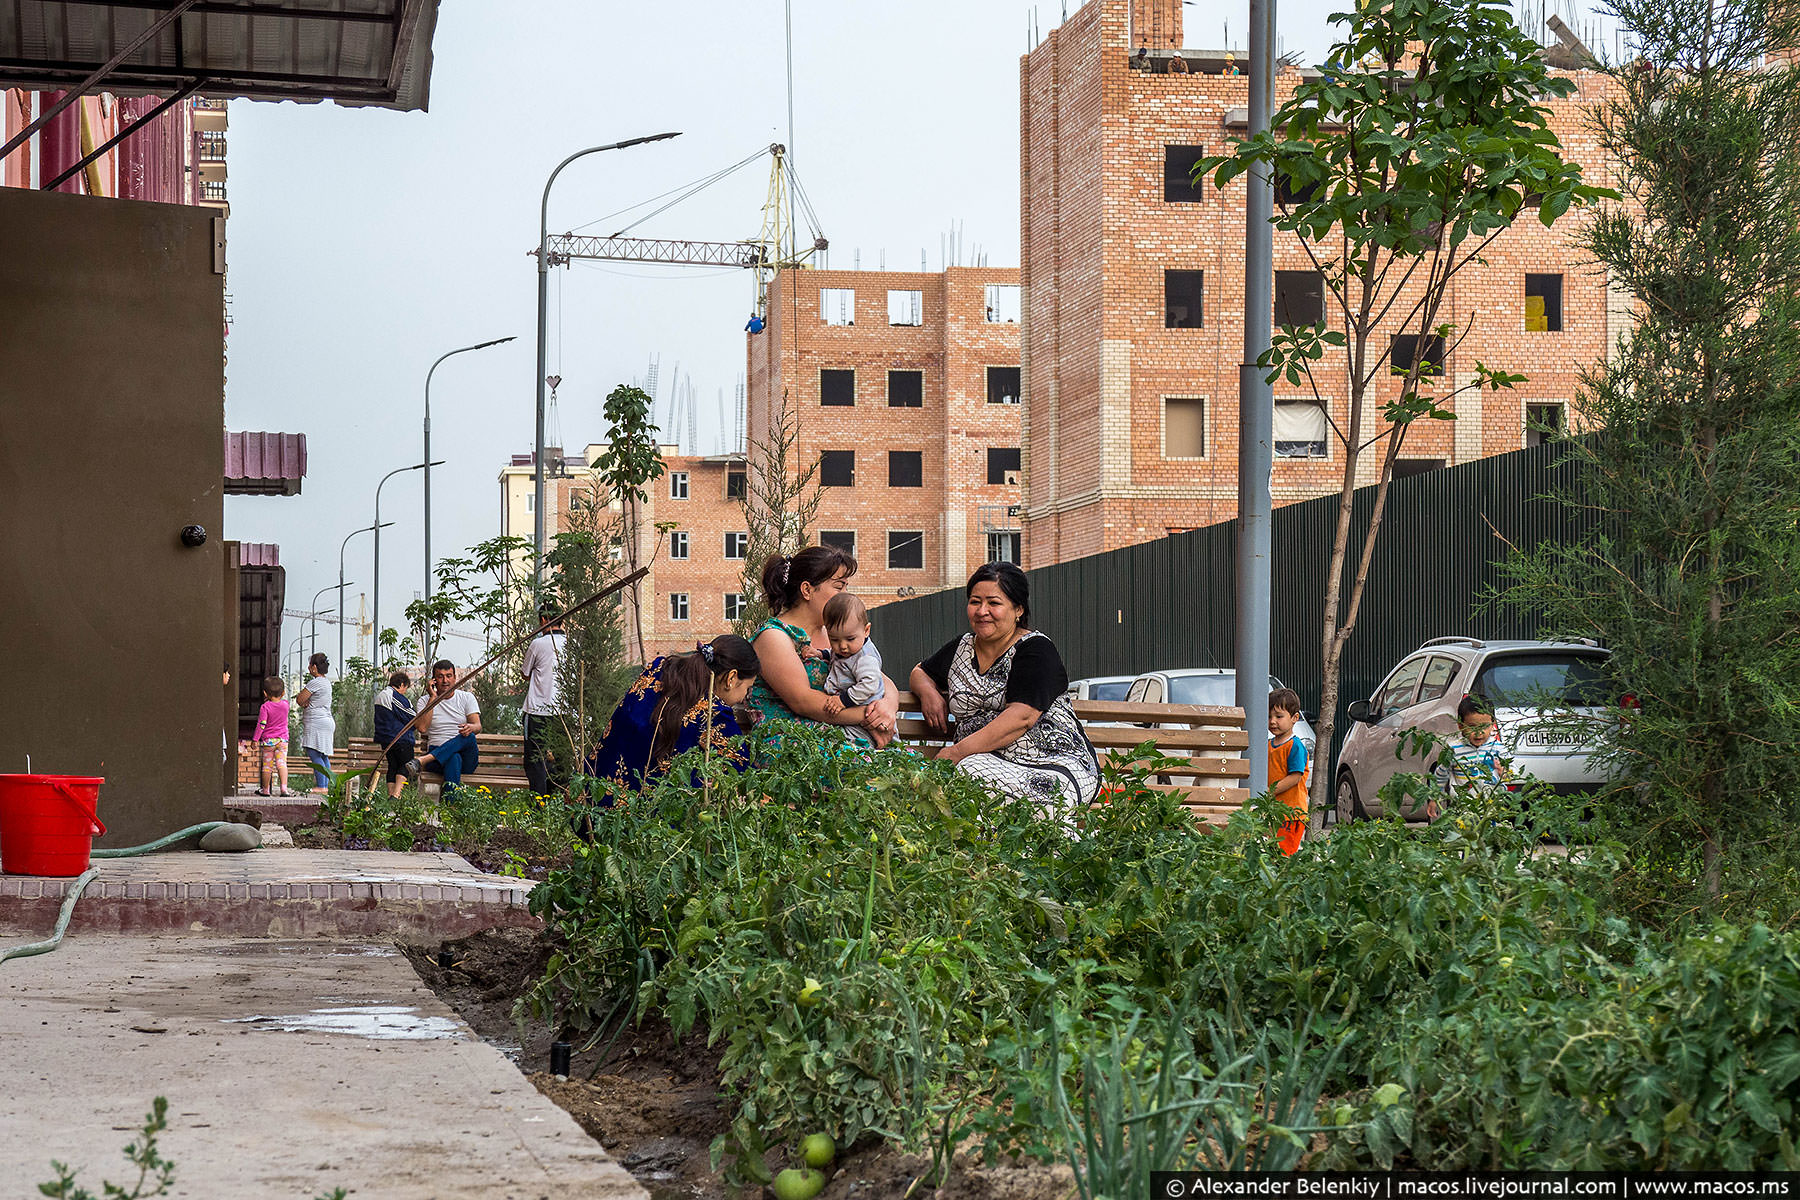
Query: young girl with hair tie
<point x="678" y="703"/>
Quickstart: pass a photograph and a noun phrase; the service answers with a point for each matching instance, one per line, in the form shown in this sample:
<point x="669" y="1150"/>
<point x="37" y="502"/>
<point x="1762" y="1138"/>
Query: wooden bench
<point x="1212" y="739"/>
<point x="501" y="766"/>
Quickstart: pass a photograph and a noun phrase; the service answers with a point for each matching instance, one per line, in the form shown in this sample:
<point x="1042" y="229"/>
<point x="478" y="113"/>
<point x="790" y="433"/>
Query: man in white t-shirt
<point x="451" y="730"/>
<point x="542" y="657"/>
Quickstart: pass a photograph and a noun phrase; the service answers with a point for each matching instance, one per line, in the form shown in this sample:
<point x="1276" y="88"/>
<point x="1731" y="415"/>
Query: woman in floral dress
<point x="1005" y="685"/>
<point x="678" y="703"/>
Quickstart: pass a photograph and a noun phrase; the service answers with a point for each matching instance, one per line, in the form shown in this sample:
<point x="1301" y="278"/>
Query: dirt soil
<point x="490" y="856"/>
<point x="655" y="1104"/>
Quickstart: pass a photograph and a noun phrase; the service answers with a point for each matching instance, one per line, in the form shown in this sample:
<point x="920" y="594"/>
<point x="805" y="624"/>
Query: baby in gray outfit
<point x="855" y="676"/>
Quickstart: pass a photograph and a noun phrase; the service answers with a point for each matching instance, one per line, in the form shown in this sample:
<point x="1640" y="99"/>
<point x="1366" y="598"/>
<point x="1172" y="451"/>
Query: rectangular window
<point x="1003" y="465"/>
<point x="1300" y="429"/>
<point x="837" y="468"/>
<point x="735" y="606"/>
<point x="1004" y="546"/>
<point x="1299" y="298"/>
<point x="1543" y="303"/>
<point x="737" y="485"/>
<point x="1407" y="467"/>
<point x="906" y="468"/>
<point x="1184" y="427"/>
<point x="839" y="539"/>
<point x="1545" y="422"/>
<point x="678" y="606"/>
<point x="906" y="308"/>
<point x="837" y="306"/>
<point x="1003" y="385"/>
<point x="678" y="485"/>
<point x="737" y="545"/>
<point x="531" y="501"/>
<point x="678" y="543"/>
<point x="1408" y="346"/>
<point x="1178" y="174"/>
<point x="906" y="550"/>
<point x="1183" y="293"/>
<point x="906" y="389"/>
<point x="1003" y="303"/>
<point x="837" y="388"/>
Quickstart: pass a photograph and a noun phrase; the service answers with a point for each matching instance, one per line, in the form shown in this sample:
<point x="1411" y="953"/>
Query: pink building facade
<point x="177" y="158"/>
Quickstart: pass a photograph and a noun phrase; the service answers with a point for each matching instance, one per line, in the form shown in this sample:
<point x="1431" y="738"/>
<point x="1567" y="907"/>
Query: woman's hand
<point x="931" y="701"/>
<point x="881" y="716"/>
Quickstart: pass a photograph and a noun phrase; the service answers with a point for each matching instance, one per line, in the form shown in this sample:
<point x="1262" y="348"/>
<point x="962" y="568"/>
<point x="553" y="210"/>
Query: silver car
<point x="1101" y="687"/>
<point x="1533" y="686"/>
<point x="1211" y="685"/>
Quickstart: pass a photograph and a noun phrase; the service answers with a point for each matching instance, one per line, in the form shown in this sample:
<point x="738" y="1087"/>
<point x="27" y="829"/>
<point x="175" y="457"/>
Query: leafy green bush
<point x="883" y="949"/>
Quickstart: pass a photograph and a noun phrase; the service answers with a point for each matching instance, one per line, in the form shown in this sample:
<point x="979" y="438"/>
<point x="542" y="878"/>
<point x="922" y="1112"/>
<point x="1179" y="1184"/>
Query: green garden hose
<point x="92" y="873"/>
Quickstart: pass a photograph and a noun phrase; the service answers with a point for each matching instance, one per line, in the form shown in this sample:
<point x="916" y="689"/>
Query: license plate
<point x="1553" y="739"/>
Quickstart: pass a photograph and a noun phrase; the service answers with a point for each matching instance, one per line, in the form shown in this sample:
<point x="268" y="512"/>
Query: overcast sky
<point x="365" y="243"/>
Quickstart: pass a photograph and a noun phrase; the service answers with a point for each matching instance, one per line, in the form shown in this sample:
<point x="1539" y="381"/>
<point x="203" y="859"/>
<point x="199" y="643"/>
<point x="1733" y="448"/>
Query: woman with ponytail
<point x="678" y="703"/>
<point x="791" y="647"/>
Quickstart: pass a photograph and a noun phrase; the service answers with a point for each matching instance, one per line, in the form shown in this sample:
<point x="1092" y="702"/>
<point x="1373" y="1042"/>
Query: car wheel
<point x="1349" y="804"/>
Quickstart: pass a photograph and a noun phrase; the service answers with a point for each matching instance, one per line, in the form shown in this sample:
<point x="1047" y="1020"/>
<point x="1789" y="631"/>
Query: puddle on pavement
<point x="377" y="1022"/>
<point x="306" y="949"/>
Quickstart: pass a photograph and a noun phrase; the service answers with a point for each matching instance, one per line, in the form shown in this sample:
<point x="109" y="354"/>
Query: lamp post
<point x="428" y="464"/>
<point x="314" y="610"/>
<point x="418" y="466"/>
<point x="543" y="307"/>
<point x="1256" y="406"/>
<point x="341" y="585"/>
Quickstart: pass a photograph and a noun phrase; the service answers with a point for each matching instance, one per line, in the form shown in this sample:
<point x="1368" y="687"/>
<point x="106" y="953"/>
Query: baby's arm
<point x="865" y="675"/>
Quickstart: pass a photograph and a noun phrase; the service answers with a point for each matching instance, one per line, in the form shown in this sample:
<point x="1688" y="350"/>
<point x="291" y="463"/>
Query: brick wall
<point x="954" y="506"/>
<point x="1097" y="236"/>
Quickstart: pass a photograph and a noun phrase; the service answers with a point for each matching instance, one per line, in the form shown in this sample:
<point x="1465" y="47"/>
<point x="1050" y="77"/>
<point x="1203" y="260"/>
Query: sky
<point x="364" y="243"/>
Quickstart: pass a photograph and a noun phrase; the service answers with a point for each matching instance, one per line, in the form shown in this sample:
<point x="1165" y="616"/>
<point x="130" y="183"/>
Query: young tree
<point x="592" y="674"/>
<point x="780" y="503"/>
<point x="1421" y="142"/>
<point x="1695" y="482"/>
<point x="631" y="459"/>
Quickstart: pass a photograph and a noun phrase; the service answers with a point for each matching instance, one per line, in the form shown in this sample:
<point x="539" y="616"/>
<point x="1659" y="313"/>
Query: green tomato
<point x="818" y="1150"/>
<point x="706" y="817"/>
<point x="809" y="993"/>
<point x="795" y="1184"/>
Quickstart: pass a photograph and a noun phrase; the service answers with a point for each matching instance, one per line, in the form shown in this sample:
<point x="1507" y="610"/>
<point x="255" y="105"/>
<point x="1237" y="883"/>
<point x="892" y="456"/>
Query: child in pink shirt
<point x="272" y="736"/>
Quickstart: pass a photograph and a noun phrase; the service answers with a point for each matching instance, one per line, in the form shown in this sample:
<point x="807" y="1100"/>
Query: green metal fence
<point x="1169" y="603"/>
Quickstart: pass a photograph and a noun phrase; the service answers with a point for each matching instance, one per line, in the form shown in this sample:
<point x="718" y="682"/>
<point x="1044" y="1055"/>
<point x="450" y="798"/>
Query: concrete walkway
<point x="291" y="1068"/>
<point x="279" y="892"/>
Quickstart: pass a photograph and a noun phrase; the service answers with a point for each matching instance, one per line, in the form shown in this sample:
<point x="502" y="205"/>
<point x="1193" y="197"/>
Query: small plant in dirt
<point x="511" y="832"/>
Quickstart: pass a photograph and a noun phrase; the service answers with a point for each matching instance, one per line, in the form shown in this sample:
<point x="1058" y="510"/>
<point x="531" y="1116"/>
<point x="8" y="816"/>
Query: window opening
<point x="839" y="539"/>
<point x="1003" y="465"/>
<point x="678" y="485"/>
<point x="1406" y="468"/>
<point x="1003" y="303"/>
<point x="1184" y="427"/>
<point x="737" y="545"/>
<point x="735" y="606"/>
<point x="906" y="468"/>
<point x="837" y="468"/>
<point x="1178" y="174"/>
<point x="906" y="389"/>
<point x="1183" y="296"/>
<point x="1006" y="546"/>
<point x="1299" y="298"/>
<point x="1408" y="346"/>
<point x="1543" y="303"/>
<point x="906" y="308"/>
<point x="1003" y="385"/>
<point x="678" y="543"/>
<point x="1545" y="423"/>
<point x="1300" y="429"/>
<point x="906" y="550"/>
<point x="837" y="388"/>
<point x="737" y="485"/>
<point x="678" y="606"/>
<point x="837" y="306"/>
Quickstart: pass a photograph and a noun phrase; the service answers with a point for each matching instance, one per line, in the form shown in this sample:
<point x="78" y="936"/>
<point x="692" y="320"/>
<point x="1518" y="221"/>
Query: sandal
<point x="261" y="792"/>
<point x="285" y="793"/>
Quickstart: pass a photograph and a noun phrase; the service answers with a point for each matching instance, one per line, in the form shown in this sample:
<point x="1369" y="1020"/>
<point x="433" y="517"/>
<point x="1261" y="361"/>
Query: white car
<point x="1101" y="687"/>
<point x="1212" y="685"/>
<point x="1526" y="682"/>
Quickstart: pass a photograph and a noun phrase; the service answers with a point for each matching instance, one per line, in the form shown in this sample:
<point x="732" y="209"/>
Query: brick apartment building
<point x="694" y="591"/>
<point x="1134" y="279"/>
<point x="905" y="390"/>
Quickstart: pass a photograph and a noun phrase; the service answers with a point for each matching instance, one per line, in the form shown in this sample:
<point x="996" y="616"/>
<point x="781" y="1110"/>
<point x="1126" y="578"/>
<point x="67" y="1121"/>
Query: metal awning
<point x="264" y="464"/>
<point x="355" y="52"/>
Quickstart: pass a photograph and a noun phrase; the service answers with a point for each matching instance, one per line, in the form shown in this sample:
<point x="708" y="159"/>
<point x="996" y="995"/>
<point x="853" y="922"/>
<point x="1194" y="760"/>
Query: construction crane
<point x="772" y="249"/>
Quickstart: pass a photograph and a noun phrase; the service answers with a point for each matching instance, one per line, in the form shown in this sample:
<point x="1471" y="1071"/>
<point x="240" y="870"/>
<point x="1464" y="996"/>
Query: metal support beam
<point x="187" y="90"/>
<point x="565" y="246"/>
<point x="171" y="17"/>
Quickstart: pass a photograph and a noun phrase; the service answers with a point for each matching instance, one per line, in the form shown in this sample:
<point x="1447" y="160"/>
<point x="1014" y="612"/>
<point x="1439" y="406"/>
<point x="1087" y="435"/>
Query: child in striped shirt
<point x="1478" y="756"/>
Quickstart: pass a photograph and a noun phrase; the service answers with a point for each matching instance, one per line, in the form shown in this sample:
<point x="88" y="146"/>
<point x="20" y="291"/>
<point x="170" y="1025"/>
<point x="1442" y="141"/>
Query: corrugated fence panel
<point x="1171" y="603"/>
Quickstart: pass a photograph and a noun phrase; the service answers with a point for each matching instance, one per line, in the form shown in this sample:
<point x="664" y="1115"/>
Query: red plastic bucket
<point x="48" y="823"/>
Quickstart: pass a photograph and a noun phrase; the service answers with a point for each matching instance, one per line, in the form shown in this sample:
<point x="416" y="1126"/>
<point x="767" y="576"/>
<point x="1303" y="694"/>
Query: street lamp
<point x="341" y="585"/>
<point x="418" y="466"/>
<point x="543" y="299"/>
<point x="314" y="610"/>
<point x="426" y="459"/>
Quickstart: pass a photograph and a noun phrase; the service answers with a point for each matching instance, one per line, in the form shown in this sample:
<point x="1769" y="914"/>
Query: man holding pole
<point x="543" y="658"/>
<point x="455" y="722"/>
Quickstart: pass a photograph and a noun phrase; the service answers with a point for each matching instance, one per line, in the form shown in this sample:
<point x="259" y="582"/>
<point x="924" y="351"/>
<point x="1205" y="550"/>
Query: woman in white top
<point x="318" y="728"/>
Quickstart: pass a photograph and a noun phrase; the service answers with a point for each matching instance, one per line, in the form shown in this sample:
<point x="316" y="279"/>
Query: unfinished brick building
<point x="905" y="389"/>
<point x="1134" y="283"/>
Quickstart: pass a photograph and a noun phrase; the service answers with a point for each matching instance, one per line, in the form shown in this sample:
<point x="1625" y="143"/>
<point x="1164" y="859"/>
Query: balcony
<point x="209" y="115"/>
<point x="211" y="145"/>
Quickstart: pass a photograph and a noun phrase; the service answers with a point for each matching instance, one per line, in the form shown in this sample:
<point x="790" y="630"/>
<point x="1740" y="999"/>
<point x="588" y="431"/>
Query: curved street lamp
<point x="314" y="610"/>
<point x="375" y="651"/>
<point x="425" y="459"/>
<point x="341" y="585"/>
<point x="543" y="302"/>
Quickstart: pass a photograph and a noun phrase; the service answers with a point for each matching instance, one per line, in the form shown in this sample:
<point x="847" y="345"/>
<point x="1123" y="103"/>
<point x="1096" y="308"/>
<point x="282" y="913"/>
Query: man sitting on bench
<point x="455" y="721"/>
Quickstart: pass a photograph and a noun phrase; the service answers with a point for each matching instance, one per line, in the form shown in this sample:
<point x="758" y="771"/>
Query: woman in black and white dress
<point x="1005" y="684"/>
